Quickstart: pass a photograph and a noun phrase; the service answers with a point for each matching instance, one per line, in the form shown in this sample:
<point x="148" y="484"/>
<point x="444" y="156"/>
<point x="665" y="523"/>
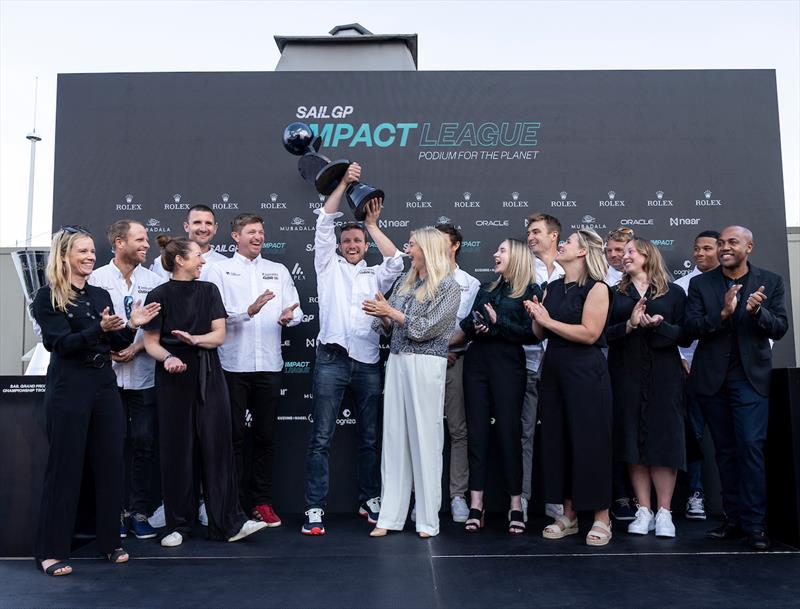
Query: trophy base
<point x="310" y="164"/>
<point x="329" y="176"/>
<point x="358" y="195"/>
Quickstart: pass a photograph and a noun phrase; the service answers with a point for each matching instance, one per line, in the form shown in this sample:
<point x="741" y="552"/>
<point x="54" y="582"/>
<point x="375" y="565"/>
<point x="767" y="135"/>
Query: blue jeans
<point x="334" y="372"/>
<point x="697" y="423"/>
<point x="737" y="416"/>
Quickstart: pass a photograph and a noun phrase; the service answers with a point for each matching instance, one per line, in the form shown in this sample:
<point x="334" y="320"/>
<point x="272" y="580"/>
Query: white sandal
<point x="554" y="531"/>
<point x="601" y="537"/>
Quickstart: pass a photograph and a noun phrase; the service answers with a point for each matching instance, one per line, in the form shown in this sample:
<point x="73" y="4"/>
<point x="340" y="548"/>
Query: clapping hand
<point x="140" y="315"/>
<point x="287" y="314"/>
<point x="637" y="313"/>
<point x="259" y="302"/>
<point x="755" y="300"/>
<point x="189" y="339"/>
<point x="650" y="321"/>
<point x="379" y="307"/>
<point x="731" y="300"/>
<point x="110" y="323"/>
<point x="537" y="311"/>
<point x="174" y="365"/>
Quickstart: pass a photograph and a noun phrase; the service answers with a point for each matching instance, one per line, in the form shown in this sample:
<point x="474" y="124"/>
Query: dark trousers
<point x="494" y="387"/>
<point x="194" y="416"/>
<point x="84" y="417"/>
<point x="576" y="411"/>
<point x="737" y="418"/>
<point x="696" y="423"/>
<point x="140" y="436"/>
<point x="334" y="372"/>
<point x="258" y="393"/>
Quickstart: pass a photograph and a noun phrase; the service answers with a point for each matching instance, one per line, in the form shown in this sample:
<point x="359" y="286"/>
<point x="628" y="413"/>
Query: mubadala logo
<point x="515" y="201"/>
<point x="273" y="202"/>
<point x="684" y="221"/>
<point x="226" y="203"/>
<point x="129" y="205"/>
<point x="154" y="226"/>
<point x="176" y="203"/>
<point x="418" y="203"/>
<point x="636" y="222"/>
<point x="393" y="223"/>
<point x="443" y="220"/>
<point x="660" y="201"/>
<point x="588" y="221"/>
<point x="707" y="201"/>
<point x="296" y="367"/>
<point x="496" y="223"/>
<point x="297" y="272"/>
<point x="297" y="224"/>
<point x="612" y="201"/>
<point x="467" y="202"/>
<point x="562" y="201"/>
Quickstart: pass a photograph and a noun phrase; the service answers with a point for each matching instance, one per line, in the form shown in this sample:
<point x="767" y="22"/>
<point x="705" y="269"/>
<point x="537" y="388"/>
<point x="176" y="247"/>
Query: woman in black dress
<point x="575" y="390"/>
<point x="643" y="337"/>
<point x="83" y="406"/>
<point x="193" y="407"/>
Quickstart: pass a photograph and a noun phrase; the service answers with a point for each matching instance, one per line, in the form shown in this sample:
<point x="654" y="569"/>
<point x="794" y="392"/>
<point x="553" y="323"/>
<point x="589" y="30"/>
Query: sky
<point x="42" y="39"/>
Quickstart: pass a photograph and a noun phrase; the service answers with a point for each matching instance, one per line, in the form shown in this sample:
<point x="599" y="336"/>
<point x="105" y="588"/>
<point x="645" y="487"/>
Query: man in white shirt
<point x="347" y="349"/>
<point x="454" y="388"/>
<point x="260" y="299"/>
<point x="201" y="227"/>
<point x="127" y="281"/>
<point x="543" y="234"/>
<point x="705" y="259"/>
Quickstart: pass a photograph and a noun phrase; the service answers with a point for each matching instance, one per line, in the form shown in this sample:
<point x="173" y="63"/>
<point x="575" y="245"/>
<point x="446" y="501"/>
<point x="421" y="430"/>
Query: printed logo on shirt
<point x="232" y="274"/>
<point x="367" y="271"/>
<point x="269" y="276"/>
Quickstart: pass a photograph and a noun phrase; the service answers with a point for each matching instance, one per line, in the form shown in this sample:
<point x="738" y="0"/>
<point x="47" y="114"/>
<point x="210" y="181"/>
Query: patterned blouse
<point x="429" y="324"/>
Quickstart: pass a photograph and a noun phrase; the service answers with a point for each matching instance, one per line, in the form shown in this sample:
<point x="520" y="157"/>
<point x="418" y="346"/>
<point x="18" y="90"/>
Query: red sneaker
<point x="266" y="514"/>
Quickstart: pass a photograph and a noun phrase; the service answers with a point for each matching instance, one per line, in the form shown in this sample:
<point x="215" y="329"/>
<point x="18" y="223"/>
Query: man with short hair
<point x="454" y="410"/>
<point x="128" y="282"/>
<point x="734" y="311"/>
<point x="615" y="247"/>
<point x="201" y="227"/>
<point x="347" y="349"/>
<point x="543" y="233"/>
<point x="260" y="299"/>
<point x="705" y="259"/>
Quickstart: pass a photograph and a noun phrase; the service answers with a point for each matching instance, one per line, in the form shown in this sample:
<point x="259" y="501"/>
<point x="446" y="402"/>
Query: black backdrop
<point x="668" y="153"/>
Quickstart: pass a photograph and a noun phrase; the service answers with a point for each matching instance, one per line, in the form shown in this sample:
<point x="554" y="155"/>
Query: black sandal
<point x="56" y="566"/>
<point x="516" y="523"/>
<point x="474" y="520"/>
<point x="116" y="557"/>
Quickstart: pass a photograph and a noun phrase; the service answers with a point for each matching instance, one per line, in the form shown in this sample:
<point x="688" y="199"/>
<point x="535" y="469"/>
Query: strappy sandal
<point x="52" y="569"/>
<point x="118" y="556"/>
<point x="562" y="527"/>
<point x="474" y="520"/>
<point x="599" y="537"/>
<point x="516" y="522"/>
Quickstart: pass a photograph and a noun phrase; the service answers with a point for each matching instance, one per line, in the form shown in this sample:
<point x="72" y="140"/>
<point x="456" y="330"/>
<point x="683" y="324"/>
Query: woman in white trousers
<point x="420" y="316"/>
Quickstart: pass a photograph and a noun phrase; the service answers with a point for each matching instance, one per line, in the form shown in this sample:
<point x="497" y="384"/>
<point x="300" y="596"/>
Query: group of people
<point x="585" y="340"/>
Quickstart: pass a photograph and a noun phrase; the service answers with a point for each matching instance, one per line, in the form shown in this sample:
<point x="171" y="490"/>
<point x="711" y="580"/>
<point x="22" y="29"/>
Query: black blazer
<point x="704" y="303"/>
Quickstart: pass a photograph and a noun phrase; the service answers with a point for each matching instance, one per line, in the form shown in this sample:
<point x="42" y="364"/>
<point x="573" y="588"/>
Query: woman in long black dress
<point x="80" y="330"/>
<point x="575" y="391"/>
<point x="647" y="376"/>
<point x="193" y="407"/>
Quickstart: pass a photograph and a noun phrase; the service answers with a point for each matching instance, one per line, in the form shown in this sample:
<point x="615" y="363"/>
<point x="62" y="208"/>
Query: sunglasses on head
<point x="72" y="230"/>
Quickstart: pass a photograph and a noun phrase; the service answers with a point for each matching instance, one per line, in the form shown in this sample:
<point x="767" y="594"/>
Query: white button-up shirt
<point x="138" y="373"/>
<point x="613" y="276"/>
<point x="211" y="257"/>
<point x="687" y="353"/>
<point x="342" y="288"/>
<point x="469" y="289"/>
<point x="535" y="353"/>
<point x="253" y="344"/>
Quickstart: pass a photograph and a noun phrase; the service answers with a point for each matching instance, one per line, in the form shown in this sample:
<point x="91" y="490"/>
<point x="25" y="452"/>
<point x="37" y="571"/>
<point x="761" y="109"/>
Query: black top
<point x="76" y="334"/>
<point x="190" y="306"/>
<point x="565" y="303"/>
<point x="513" y="323"/>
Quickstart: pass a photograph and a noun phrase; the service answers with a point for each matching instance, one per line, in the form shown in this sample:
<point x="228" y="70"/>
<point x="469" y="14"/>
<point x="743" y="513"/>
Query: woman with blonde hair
<point x="575" y="391"/>
<point x="82" y="402"/>
<point x="420" y="316"/>
<point x="495" y="377"/>
<point x="646" y="372"/>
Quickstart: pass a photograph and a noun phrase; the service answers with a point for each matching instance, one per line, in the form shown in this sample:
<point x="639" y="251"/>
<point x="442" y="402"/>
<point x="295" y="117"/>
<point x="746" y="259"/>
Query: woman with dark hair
<point x="193" y="402"/>
<point x="83" y="406"/>
<point x="647" y="376"/>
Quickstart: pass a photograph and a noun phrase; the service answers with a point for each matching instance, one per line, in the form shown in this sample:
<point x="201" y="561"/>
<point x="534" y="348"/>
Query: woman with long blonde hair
<point x="83" y="406"/>
<point x="647" y="375"/>
<point x="420" y="316"/>
<point x="495" y="377"/>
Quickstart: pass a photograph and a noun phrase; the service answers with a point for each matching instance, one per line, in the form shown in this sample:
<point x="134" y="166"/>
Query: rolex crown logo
<point x="273" y="196"/>
<point x="176" y="197"/>
<point x="563" y="195"/>
<point x="611" y="194"/>
<point x="707" y="193"/>
<point x="129" y="198"/>
<point x="659" y="194"/>
<point x="467" y="196"/>
<point x="515" y="195"/>
<point x="418" y="196"/>
<point x="321" y="198"/>
<point x="225" y="197"/>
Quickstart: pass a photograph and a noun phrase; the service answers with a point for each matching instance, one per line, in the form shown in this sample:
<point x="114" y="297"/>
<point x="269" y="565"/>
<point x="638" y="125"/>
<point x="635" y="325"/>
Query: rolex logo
<point x="514" y="196"/>
<point x="467" y="196"/>
<point x="225" y="197"/>
<point x="563" y="195"/>
<point x="611" y="194"/>
<point x="707" y="193"/>
<point x="418" y="196"/>
<point x="659" y="194"/>
<point x="176" y="197"/>
<point x="129" y="198"/>
<point x="321" y="198"/>
<point x="273" y="196"/>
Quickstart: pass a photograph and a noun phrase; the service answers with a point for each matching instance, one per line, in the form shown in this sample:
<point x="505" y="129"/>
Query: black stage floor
<point x="347" y="568"/>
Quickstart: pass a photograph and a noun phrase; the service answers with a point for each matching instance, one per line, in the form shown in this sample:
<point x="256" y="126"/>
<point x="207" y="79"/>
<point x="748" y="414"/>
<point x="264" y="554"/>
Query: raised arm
<point x="385" y="245"/>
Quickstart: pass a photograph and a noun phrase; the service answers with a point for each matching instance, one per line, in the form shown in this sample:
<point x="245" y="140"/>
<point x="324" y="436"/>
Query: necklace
<point x="569" y="286"/>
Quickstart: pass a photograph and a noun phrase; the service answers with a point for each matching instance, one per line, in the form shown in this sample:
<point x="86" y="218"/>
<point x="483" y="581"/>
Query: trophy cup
<point x="314" y="167"/>
<point x="30" y="264"/>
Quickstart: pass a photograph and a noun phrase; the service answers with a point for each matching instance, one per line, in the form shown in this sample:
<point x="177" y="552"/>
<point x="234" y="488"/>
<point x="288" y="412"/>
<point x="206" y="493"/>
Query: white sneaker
<point x="643" y="523"/>
<point x="202" y="516"/>
<point x="664" y="525"/>
<point x="554" y="510"/>
<point x="172" y="540"/>
<point x="248" y="528"/>
<point x="158" y="520"/>
<point x="524" y="501"/>
<point x="459" y="509"/>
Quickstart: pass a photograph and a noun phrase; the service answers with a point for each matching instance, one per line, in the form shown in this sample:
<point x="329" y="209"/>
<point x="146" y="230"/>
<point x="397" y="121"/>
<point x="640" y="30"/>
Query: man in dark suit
<point x="734" y="311"/>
